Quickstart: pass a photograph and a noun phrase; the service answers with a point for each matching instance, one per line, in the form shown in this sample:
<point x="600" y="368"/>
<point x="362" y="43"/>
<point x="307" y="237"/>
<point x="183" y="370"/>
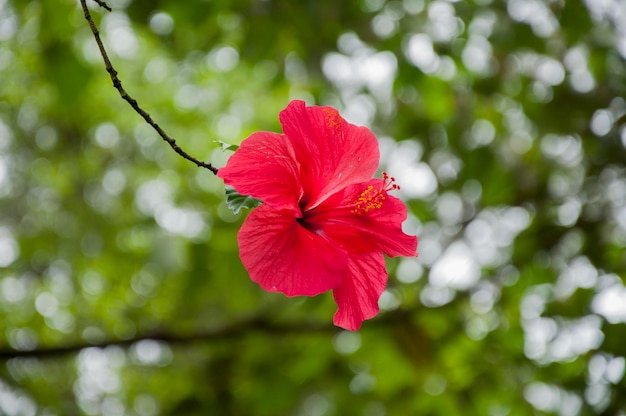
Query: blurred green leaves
<point x="503" y="121"/>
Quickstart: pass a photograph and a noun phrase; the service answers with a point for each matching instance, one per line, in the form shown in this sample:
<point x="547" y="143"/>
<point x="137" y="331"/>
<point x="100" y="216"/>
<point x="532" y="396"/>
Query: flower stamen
<point x="372" y="198"/>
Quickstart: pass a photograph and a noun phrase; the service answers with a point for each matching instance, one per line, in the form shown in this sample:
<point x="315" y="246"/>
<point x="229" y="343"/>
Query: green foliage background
<point x="121" y="290"/>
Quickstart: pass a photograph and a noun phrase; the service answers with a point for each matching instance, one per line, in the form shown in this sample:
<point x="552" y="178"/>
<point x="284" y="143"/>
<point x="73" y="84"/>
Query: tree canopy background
<point x="121" y="290"/>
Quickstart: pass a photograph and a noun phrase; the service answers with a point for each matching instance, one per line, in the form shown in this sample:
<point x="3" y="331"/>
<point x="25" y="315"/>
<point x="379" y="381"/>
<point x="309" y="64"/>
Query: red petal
<point x="358" y="230"/>
<point x="282" y="256"/>
<point x="332" y="152"/>
<point x="265" y="168"/>
<point x="357" y="296"/>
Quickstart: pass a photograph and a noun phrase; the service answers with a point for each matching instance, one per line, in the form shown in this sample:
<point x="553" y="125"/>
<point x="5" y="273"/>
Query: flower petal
<point x="265" y="168"/>
<point x="282" y="256"/>
<point x="332" y="152"/>
<point x="357" y="296"/>
<point x="362" y="218"/>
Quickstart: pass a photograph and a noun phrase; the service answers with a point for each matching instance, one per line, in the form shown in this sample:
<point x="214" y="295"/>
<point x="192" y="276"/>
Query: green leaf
<point x="236" y="201"/>
<point x="226" y="146"/>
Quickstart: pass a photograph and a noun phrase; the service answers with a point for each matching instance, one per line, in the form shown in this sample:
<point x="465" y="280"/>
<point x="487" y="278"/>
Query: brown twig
<point x="103" y="4"/>
<point x="133" y="103"/>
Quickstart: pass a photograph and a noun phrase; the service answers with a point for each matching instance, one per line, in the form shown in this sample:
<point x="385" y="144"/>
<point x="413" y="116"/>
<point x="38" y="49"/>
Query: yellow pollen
<point x="369" y="199"/>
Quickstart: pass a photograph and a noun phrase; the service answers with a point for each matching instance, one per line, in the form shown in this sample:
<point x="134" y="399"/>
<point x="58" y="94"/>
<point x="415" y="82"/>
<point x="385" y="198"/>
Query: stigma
<point x="389" y="183"/>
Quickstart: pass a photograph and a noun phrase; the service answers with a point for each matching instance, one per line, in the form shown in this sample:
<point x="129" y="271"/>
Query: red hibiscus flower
<point x="325" y="222"/>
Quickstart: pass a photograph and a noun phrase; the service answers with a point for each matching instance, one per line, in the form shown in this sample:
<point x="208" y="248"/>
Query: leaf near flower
<point x="236" y="201"/>
<point x="226" y="146"/>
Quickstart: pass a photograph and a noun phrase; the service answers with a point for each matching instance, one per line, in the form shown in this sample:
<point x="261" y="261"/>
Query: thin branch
<point x="133" y="103"/>
<point x="103" y="4"/>
<point x="226" y="333"/>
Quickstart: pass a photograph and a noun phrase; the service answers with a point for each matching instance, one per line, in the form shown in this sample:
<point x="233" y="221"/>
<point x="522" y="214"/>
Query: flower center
<point x="372" y="198"/>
